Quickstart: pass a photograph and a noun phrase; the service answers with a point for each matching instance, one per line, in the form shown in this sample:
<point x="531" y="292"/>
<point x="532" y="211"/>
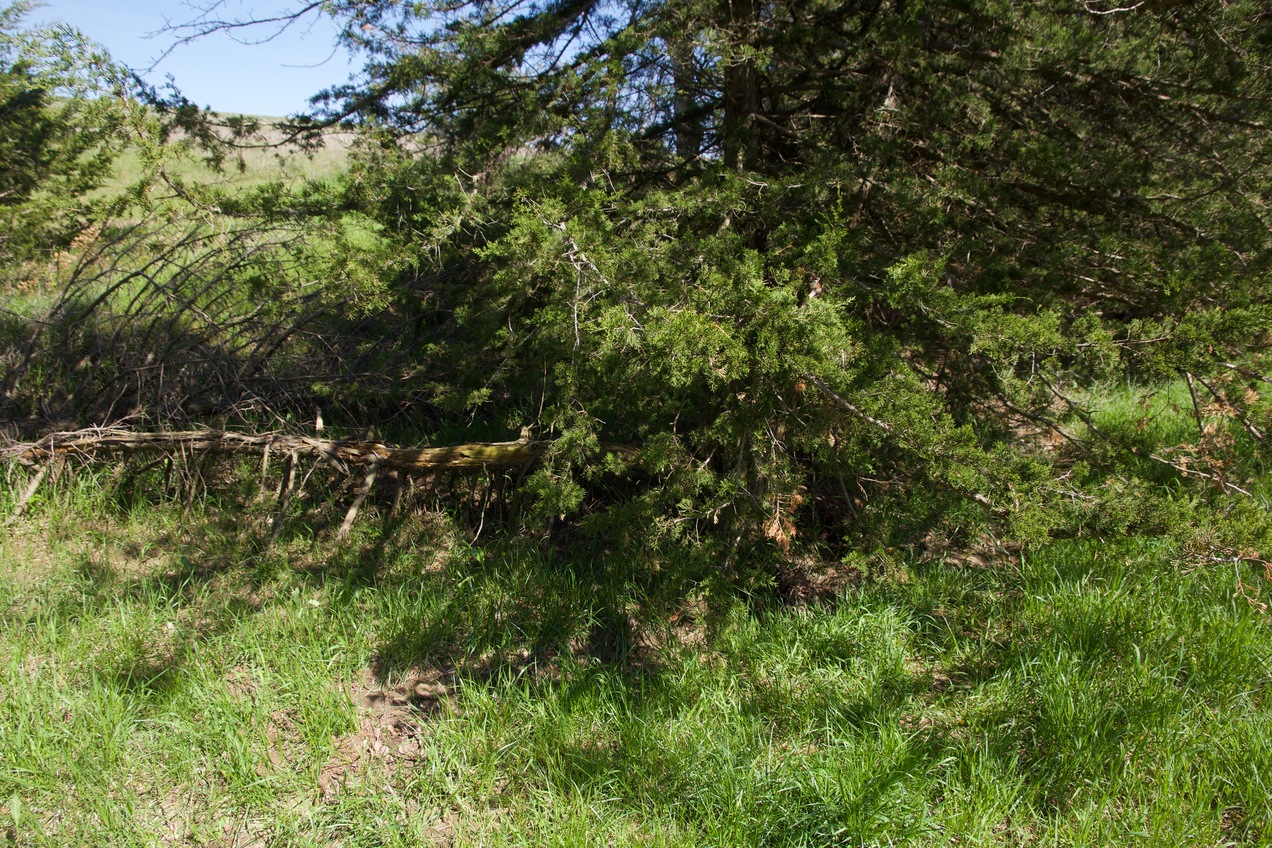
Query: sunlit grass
<point x="167" y="681"/>
<point x="260" y="161"/>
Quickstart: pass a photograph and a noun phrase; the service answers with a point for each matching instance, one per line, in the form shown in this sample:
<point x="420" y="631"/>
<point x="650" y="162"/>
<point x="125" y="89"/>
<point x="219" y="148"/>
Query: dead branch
<point x="343" y="454"/>
<point x="347" y="524"/>
<point x="29" y="493"/>
<point x="1193" y="472"/>
<point x="284" y="497"/>
<point x="1255" y="433"/>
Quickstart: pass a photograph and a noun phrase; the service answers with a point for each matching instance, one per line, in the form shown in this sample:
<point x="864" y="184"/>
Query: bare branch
<point x="205" y="24"/>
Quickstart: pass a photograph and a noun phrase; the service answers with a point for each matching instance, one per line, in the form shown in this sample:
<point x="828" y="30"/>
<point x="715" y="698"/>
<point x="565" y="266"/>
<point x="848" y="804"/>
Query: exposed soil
<point x="806" y="580"/>
<point x="391" y="721"/>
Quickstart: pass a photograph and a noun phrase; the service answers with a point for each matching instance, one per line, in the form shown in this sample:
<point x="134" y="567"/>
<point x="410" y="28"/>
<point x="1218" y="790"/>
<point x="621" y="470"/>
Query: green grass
<point x="166" y="682"/>
<point x="253" y="167"/>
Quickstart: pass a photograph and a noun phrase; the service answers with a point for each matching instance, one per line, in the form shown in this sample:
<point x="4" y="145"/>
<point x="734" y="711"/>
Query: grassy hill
<point x="253" y="165"/>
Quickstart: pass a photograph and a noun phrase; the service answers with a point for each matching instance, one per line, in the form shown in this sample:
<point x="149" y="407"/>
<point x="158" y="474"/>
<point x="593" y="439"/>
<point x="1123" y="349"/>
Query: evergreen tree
<point x="796" y="247"/>
<point x="60" y="128"/>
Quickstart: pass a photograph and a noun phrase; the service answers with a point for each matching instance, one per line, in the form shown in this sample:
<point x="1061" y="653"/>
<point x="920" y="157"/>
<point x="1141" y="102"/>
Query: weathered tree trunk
<point x="684" y="103"/>
<point x="95" y="442"/>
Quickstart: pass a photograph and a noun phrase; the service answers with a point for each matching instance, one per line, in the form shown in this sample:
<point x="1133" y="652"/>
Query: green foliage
<point x="62" y="121"/>
<point x="848" y="275"/>
<point x="821" y="248"/>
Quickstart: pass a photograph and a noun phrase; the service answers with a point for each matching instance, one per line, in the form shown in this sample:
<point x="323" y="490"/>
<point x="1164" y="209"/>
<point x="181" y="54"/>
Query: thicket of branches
<point x="828" y="263"/>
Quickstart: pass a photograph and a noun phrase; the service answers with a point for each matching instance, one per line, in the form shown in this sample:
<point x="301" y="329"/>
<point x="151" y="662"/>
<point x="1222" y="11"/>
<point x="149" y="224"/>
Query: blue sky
<point x="275" y="78"/>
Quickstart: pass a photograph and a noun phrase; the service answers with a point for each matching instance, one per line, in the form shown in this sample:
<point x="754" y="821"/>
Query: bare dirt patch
<point x="392" y="719"/>
<point x="241" y="682"/>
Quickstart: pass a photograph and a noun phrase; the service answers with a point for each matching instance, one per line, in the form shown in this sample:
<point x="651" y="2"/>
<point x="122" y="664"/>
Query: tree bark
<point x="741" y="85"/>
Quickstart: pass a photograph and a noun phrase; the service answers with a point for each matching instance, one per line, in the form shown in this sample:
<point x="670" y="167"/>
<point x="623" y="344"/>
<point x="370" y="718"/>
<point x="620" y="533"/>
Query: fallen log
<point x="370" y="457"/>
<point x="93" y="442"/>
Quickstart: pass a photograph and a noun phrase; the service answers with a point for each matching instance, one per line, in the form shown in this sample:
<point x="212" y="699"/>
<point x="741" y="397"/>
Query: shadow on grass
<point x="1067" y="671"/>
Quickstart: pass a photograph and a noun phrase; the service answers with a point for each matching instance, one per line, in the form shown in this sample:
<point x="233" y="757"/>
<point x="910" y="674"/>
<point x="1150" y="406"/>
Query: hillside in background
<point x="268" y="159"/>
